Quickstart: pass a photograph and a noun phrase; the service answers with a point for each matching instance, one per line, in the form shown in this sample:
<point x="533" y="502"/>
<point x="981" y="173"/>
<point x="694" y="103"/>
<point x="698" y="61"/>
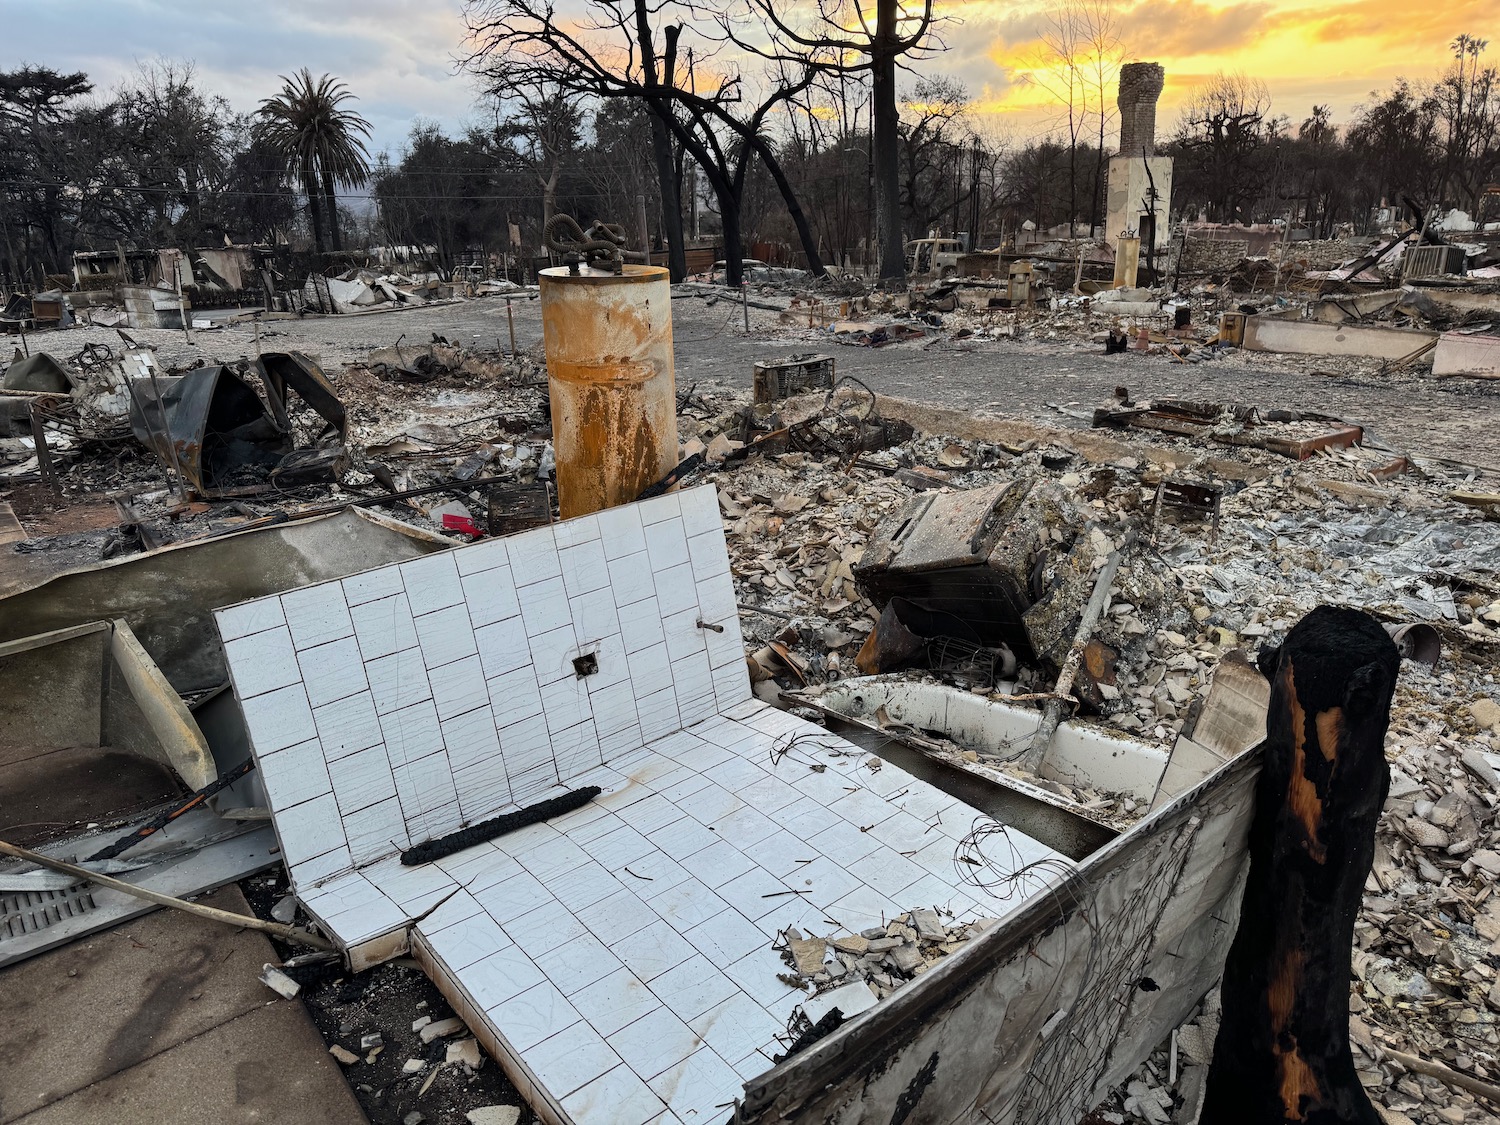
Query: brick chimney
<point x="1140" y="86"/>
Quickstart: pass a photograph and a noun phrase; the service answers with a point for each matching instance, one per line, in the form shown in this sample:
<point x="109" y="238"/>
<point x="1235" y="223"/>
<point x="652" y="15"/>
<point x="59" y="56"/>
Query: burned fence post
<point x="1282" y="1053"/>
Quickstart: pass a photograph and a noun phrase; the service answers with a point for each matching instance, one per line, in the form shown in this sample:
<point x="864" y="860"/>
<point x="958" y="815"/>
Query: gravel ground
<point x="1055" y="364"/>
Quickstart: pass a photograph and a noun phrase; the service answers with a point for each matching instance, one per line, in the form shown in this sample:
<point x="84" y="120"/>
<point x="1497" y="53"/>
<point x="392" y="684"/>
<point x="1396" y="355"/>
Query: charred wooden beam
<point x="1283" y="1054"/>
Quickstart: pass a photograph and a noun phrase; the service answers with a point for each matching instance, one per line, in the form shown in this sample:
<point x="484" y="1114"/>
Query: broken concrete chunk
<point x="1486" y="714"/>
<point x="278" y="982"/>
<point x="494" y="1115"/>
<point x="420" y="1022"/>
<point x="906" y="958"/>
<point x="343" y="1054"/>
<point x="808" y="954"/>
<point x="854" y="944"/>
<point x="466" y="1051"/>
<point x="441" y="1028"/>
<point x="413" y="1066"/>
<point x="884" y="944"/>
<point x="929" y="926"/>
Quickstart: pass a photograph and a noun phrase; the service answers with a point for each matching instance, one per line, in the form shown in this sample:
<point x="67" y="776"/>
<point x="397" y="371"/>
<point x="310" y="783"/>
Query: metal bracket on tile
<point x="706" y="625"/>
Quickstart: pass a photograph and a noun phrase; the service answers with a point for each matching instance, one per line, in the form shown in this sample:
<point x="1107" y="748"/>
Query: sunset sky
<point x="398" y="56"/>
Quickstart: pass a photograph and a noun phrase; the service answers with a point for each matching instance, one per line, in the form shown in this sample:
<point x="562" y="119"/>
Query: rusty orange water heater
<point x="609" y="372"/>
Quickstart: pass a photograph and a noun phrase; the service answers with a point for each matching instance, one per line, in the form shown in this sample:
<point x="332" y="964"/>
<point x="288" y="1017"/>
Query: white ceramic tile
<point x="675" y="590"/>
<point x="491" y="596"/>
<point x="783" y="854"/>
<point x="683" y="838"/>
<point x="737" y="1027"/>
<point x="658" y="714"/>
<point x="466" y="942"/>
<point x="618" y="1097"/>
<point x="693" y="987"/>
<point x="666" y="545"/>
<point x="565" y="703"/>
<point x="431" y="582"/>
<point x="553" y="857"/>
<point x="332" y="671"/>
<point x="576" y="751"/>
<point x="456" y="908"/>
<point x="339" y="894"/>
<point x="486" y="554"/>
<point x="613" y="708"/>
<point x="376" y="831"/>
<point x="615" y="1001"/>
<point x="619" y="848"/>
<point x="444" y="636"/>
<point x="707" y="554"/>
<point x="411" y="733"/>
<point x="582" y="885"/>
<point x="474" y="755"/>
<point x="658" y="1040"/>
<point x="372" y="919"/>
<point x="630" y="578"/>
<point x="533" y="782"/>
<point x="686" y="904"/>
<point x="262" y="662"/>
<point x="310" y="872"/>
<point x="481" y="866"/>
<point x="526" y="744"/>
<point x="617" y="916"/>
<point x="518" y="895"/>
<point x="595" y="617"/>
<point x="864" y="808"/>
<point x="755" y="893"/>
<point x="640" y="625"/>
<point x="552" y="655"/>
<point x="584" y="568"/>
<point x="536" y="1014"/>
<point x="362" y="779"/>
<point x="843" y="843"/>
<point x="680" y="782"/>
<point x="620" y="531"/>
<point x="278" y="719"/>
<point x="347" y="725"/>
<point x="652" y="950"/>
<point x="459" y="689"/>
<point x="296" y="774"/>
<point x="825" y="881"/>
<point x="861" y="909"/>
<point x="397" y="681"/>
<point x="577" y="963"/>
<point x="658" y="508"/>
<point x="701" y="1089"/>
<point x="249" y="617"/>
<point x="533" y="556"/>
<point x="794" y="912"/>
<point x="544" y="606"/>
<point x="716" y="602"/>
<point x="317" y="614"/>
<point x="572" y="1058"/>
<point x="905" y="833"/>
<point x="693" y="686"/>
<point x="498" y="976"/>
<point x="514" y="696"/>
<point x="309" y="829"/>
<point x="726" y="937"/>
<point x="371" y="585"/>
<point x="383" y="626"/>
<point x="710" y="804"/>
<point x="415" y="889"/>
<point x="652" y="874"/>
<point x="621" y="742"/>
<point x="700" y="511"/>
<point x="425" y="786"/>
<point x="503" y="646"/>
<point x="767" y="794"/>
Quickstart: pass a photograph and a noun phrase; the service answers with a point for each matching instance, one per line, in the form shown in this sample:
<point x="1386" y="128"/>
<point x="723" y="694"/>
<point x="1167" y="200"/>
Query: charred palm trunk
<point x="1282" y="1054"/>
<point x="333" y="211"/>
<point x="314" y="208"/>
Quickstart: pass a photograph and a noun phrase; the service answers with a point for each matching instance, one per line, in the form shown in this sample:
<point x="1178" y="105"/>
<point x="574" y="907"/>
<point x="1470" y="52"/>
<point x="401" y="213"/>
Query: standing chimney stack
<point x="1140" y="86"/>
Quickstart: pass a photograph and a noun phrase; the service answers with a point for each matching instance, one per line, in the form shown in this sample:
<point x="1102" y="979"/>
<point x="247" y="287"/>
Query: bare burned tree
<point x="603" y="55"/>
<point x="843" y="38"/>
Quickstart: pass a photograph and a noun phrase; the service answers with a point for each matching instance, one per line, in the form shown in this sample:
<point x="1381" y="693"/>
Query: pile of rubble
<point x="878" y="959"/>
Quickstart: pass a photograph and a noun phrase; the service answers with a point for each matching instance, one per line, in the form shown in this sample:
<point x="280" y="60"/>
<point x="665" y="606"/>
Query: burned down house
<point x="587" y="704"/>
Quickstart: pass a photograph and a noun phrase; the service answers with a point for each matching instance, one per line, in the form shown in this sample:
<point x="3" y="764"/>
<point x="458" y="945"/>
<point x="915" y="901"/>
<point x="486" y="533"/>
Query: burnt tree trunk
<point x="885" y="140"/>
<point x="1282" y="1054"/>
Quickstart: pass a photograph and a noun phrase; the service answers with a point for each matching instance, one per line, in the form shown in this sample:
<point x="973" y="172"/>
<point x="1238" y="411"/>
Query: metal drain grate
<point x="26" y="912"/>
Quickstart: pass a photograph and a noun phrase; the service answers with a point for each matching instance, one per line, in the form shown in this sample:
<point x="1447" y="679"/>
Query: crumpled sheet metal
<point x="213" y="424"/>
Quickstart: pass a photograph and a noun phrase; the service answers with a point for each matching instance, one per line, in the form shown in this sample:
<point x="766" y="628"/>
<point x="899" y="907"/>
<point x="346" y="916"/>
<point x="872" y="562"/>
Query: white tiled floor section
<point x="622" y="952"/>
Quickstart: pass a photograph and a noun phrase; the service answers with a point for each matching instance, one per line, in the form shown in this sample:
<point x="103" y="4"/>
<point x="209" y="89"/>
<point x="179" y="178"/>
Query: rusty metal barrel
<point x="609" y="372"/>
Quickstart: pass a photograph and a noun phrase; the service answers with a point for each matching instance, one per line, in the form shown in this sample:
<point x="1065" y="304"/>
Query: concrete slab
<point x="1308" y="337"/>
<point x="269" y="1065"/>
<point x="1460" y="354"/>
<point x="111" y="1022"/>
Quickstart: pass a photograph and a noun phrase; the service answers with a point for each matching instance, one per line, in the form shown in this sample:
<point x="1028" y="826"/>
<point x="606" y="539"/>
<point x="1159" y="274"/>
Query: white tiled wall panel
<point x="621" y="953"/>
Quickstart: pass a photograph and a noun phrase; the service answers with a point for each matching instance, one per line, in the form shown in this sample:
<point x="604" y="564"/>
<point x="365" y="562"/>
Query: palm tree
<point x="321" y="143"/>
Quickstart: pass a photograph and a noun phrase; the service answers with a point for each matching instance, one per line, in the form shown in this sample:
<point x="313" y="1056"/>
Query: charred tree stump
<point x="1282" y="1053"/>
